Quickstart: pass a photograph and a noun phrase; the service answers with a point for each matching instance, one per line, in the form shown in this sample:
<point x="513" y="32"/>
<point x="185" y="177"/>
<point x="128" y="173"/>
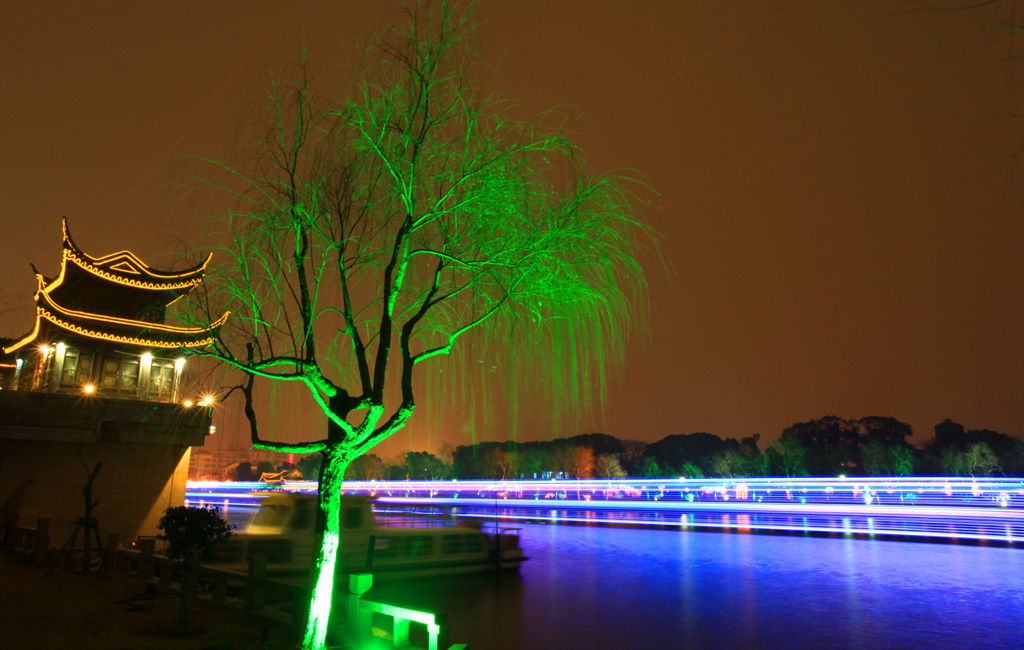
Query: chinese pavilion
<point x="98" y="378"/>
<point x="99" y="326"/>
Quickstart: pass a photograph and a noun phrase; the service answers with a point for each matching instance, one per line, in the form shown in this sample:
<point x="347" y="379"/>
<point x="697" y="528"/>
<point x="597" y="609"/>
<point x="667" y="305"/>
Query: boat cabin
<point x="283" y="530"/>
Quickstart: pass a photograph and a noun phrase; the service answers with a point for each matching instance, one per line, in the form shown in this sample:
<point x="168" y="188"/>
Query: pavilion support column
<point x="58" y="366"/>
<point x="179" y="365"/>
<point x="145" y="364"/>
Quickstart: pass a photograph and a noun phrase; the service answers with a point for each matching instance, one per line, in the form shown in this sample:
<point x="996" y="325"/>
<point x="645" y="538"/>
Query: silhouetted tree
<point x="886" y="430"/>
<point x="727" y="463"/>
<point x="579" y="462"/>
<point x="977" y="458"/>
<point x="754" y="462"/>
<point x="368" y="467"/>
<point x="497" y="463"/>
<point x="245" y="471"/>
<point x="426" y="466"/>
<point x="690" y="470"/>
<point x="599" y="443"/>
<point x="632" y="452"/>
<point x="672" y="452"/>
<point x="831" y="444"/>
<point x="951" y="451"/>
<point x="396" y="471"/>
<point x="834" y="445"/>
<point x="191" y="535"/>
<point x="890" y="459"/>
<point x="787" y="457"/>
<point x="648" y="467"/>
<point x="536" y="460"/>
<point x="309" y="465"/>
<point x="745" y="459"/>
<point x="1008" y="451"/>
<point x="608" y="466"/>
<point x="446" y="452"/>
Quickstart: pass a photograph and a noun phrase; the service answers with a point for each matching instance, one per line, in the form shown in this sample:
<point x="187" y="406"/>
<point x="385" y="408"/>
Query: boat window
<point x="474" y="543"/>
<point x="383" y="549"/>
<point x="417" y="546"/>
<point x="271" y="515"/>
<point x="353" y="517"/>
<point x="303" y="515"/>
<point x="453" y="544"/>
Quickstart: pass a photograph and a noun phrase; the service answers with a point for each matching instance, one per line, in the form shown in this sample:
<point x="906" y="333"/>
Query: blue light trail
<point x="981" y="509"/>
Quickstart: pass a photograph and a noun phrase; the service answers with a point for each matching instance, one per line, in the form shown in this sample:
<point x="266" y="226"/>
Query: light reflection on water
<point x="599" y="587"/>
<point x="593" y="587"/>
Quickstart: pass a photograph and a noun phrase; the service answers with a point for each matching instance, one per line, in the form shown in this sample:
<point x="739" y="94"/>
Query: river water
<point x="594" y="587"/>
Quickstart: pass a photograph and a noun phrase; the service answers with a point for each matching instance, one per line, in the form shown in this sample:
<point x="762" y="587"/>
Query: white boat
<point x="284" y="532"/>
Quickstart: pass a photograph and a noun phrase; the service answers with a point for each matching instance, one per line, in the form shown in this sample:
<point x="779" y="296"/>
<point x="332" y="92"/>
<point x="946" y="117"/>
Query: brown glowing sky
<point x="839" y="199"/>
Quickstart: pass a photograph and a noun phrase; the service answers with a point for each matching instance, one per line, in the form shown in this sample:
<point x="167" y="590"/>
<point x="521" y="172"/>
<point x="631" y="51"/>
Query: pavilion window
<point x="121" y="375"/>
<point x="77" y="368"/>
<point x="161" y="378"/>
<point x="71" y="359"/>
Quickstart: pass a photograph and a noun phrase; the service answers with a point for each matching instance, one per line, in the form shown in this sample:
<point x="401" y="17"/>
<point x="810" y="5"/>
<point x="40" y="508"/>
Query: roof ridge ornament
<point x="124" y="266"/>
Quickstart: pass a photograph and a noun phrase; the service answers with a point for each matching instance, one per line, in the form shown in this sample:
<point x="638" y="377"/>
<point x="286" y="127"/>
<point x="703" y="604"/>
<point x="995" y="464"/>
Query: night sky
<point x="839" y="200"/>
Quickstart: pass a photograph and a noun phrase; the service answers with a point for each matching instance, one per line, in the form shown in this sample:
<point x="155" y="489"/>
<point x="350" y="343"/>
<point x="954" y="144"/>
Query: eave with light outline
<point x="127" y="269"/>
<point x="124" y="267"/>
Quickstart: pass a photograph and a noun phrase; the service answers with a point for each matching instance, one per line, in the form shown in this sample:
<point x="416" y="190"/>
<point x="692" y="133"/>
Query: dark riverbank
<point x="112" y="612"/>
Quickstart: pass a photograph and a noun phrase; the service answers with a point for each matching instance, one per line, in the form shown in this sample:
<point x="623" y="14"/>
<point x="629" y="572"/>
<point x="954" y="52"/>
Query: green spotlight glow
<point x="409" y="217"/>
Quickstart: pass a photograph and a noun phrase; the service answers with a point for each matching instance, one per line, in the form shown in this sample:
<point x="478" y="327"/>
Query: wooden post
<point x="189" y="578"/>
<point x="107" y="554"/>
<point x="400" y="632"/>
<point x="166" y="572"/>
<point x="12" y="526"/>
<point x="220" y="587"/>
<point x="122" y="562"/>
<point x="498" y="550"/>
<point x="439" y="641"/>
<point x="41" y="548"/>
<point x="88" y="520"/>
<point x="359" y="622"/>
<point x="146" y="549"/>
<point x="300" y="607"/>
<point x="370" y="548"/>
<point x="255" y="591"/>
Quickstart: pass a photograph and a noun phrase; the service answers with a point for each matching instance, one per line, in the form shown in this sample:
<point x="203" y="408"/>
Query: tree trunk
<point x="183" y="609"/>
<point x="331" y="474"/>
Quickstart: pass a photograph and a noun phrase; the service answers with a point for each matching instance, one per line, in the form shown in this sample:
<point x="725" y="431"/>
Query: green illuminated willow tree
<point x="405" y="216"/>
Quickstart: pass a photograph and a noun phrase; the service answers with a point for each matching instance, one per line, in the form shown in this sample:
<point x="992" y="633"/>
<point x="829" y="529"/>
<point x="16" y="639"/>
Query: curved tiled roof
<point x="123" y="268"/>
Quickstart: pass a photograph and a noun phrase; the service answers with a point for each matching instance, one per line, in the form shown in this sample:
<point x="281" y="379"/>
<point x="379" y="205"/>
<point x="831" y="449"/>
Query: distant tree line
<point x="825" y="446"/>
<point x="878" y="445"/>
